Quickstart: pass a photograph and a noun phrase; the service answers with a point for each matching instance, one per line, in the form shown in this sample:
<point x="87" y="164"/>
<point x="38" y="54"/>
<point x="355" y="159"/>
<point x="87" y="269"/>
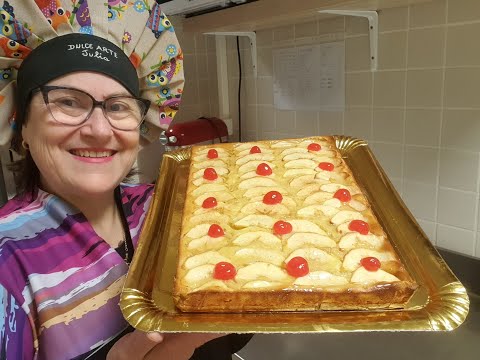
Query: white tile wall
<point x="265" y="62"/>
<point x="477" y="249"/>
<point x="355" y="26"/>
<point x="357" y="50"/>
<point x="424" y="88"/>
<point x="463" y="10"/>
<point x="306" y="29"/>
<point x="306" y="123"/>
<point x="332" y="25"/>
<point x="429" y="228"/>
<point x="459" y="169"/>
<point x="423" y="127"/>
<point x="397" y="184"/>
<point x="421" y="199"/>
<point x="457" y="208"/>
<point x="264" y="37"/>
<point x="393" y="19"/>
<point x="420" y="112"/>
<point x="249" y="136"/>
<point x="330" y="122"/>
<point x="390" y="158"/>
<point x="358" y="89"/>
<point x="421" y="164"/>
<point x="392" y="50"/>
<point x="460" y="129"/>
<point x="250" y="122"/>
<point x="389" y="125"/>
<point x="428" y="14"/>
<point x="358" y="123"/>
<point x="251" y="94"/>
<point x="384" y="93"/>
<point x="462" y="87"/>
<point x="452" y="238"/>
<point x="284" y="120"/>
<point x="426" y="47"/>
<point x="478" y="220"/>
<point x="202" y="67"/>
<point x="284" y="33"/>
<point x="265" y="118"/>
<point x="460" y="51"/>
<point x="264" y="90"/>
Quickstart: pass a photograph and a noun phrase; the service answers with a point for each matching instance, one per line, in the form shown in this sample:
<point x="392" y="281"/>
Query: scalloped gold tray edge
<point x="440" y="304"/>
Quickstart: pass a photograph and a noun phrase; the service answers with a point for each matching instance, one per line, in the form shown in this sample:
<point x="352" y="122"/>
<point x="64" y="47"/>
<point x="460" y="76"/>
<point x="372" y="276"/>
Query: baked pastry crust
<point x="321" y="233"/>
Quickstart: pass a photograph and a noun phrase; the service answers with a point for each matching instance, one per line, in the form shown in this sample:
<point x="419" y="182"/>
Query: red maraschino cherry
<point x="209" y="202"/>
<point x="224" y="271"/>
<point x="255" y="150"/>
<point x="314" y="147"/>
<point x="212" y="154"/>
<point x="327" y="166"/>
<point x="264" y="170"/>
<point x="215" y="231"/>
<point x="343" y="195"/>
<point x="282" y="227"/>
<point x="359" y="226"/>
<point x="272" y="198"/>
<point x="210" y="174"/>
<point x="370" y="263"/>
<point x="297" y="267"/>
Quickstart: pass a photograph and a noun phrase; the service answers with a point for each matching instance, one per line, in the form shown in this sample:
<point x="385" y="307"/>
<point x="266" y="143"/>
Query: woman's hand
<point x="179" y="346"/>
<point x="140" y="345"/>
<point x="134" y="345"/>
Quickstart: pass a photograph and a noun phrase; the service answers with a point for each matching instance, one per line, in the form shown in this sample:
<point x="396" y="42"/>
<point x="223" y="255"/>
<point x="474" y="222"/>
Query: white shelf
<point x="372" y="17"/>
<point x="264" y="14"/>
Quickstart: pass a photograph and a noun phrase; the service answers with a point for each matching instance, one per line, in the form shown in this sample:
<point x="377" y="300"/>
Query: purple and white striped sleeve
<point x="16" y="341"/>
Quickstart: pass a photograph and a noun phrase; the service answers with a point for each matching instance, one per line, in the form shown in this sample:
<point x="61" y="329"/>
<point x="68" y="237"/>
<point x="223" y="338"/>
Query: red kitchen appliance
<point x="200" y="131"/>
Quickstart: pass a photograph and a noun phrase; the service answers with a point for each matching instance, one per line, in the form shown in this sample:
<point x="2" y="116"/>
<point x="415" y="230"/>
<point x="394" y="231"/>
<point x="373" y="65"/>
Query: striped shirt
<point x="60" y="282"/>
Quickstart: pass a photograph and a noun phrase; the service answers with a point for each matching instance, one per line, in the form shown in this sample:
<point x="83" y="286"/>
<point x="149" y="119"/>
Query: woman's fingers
<point x="180" y="346"/>
<point x="134" y="345"/>
<point x="155" y="346"/>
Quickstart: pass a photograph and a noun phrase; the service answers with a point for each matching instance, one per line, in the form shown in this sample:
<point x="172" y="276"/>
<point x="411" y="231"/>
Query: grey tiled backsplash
<point x="419" y="111"/>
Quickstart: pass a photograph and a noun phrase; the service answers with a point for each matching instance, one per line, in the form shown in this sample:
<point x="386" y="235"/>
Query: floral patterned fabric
<point x="139" y="28"/>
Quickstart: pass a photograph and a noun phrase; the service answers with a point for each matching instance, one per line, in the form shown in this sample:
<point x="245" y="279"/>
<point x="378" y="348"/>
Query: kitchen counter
<point x="462" y="343"/>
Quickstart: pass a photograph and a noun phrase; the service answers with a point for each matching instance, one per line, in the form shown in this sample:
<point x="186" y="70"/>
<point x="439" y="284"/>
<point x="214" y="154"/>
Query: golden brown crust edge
<point x="390" y="296"/>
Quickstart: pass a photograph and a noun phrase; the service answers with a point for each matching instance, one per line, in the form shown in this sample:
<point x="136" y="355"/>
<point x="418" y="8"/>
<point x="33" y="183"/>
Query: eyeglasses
<point x="73" y="107"/>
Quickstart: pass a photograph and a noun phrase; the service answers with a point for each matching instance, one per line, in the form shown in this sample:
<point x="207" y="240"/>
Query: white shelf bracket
<point x="253" y="43"/>
<point x="372" y="17"/>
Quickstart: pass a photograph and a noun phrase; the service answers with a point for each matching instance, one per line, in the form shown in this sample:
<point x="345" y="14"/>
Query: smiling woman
<point x="67" y="239"/>
<point x="70" y="137"/>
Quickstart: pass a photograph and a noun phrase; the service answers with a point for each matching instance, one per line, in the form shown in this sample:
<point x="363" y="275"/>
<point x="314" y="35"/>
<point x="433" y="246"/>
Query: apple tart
<point x="282" y="226"/>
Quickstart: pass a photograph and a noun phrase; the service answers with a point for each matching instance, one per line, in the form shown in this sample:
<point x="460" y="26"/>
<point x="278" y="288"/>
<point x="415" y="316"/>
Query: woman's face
<point x="88" y="159"/>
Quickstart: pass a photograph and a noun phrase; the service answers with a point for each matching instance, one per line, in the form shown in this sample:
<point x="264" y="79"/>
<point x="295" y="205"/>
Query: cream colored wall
<point x="200" y="97"/>
<point x="420" y="112"/>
